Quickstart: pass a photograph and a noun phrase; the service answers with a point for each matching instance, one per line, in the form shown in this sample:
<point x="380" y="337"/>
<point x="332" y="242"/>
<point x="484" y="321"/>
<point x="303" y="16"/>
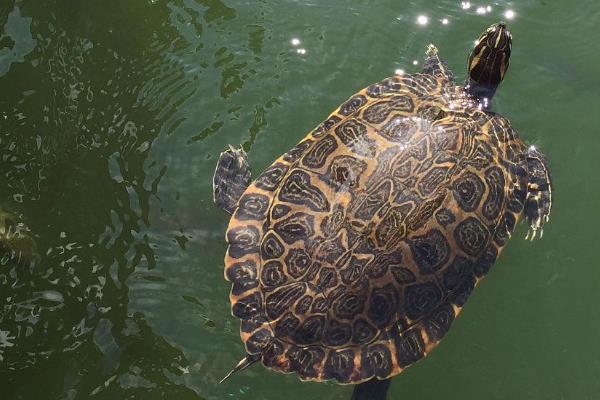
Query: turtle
<point x="351" y="255"/>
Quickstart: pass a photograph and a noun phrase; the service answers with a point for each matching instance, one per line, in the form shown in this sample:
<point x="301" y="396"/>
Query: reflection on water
<point x="112" y="115"/>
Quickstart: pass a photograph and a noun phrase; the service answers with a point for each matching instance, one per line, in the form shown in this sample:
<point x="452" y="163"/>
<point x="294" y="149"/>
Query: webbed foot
<point x="232" y="177"/>
<point x="538" y="202"/>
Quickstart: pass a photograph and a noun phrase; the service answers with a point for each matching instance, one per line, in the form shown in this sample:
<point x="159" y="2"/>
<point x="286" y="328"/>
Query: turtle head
<point x="488" y="62"/>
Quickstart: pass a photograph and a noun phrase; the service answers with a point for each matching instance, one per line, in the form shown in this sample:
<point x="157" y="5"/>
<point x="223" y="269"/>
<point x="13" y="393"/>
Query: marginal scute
<point x="353" y="104"/>
<point x="459" y="280"/>
<point x="305" y="360"/>
<point x="439" y="321"/>
<point x="258" y="341"/>
<point x="252" y="206"/>
<point x="339" y="365"/>
<point x="242" y="240"/>
<point x="248" y="307"/>
<point x="243" y="276"/>
<point x="376" y="360"/>
<point x="295" y="152"/>
<point x="409" y="347"/>
<point x="271" y="177"/>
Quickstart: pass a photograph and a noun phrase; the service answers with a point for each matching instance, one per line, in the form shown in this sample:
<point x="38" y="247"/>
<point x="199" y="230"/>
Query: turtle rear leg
<point x="434" y="65"/>
<point x="232" y="177"/>
<point x="538" y="202"/>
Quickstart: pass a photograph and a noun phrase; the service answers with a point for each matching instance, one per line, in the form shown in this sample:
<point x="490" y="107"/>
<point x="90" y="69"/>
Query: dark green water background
<point x="112" y="116"/>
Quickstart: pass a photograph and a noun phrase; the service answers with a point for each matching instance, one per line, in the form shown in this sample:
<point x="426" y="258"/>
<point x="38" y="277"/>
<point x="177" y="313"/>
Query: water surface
<point x="112" y="116"/>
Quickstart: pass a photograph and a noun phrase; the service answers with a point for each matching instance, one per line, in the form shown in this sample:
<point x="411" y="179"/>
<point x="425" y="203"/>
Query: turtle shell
<point x="351" y="255"/>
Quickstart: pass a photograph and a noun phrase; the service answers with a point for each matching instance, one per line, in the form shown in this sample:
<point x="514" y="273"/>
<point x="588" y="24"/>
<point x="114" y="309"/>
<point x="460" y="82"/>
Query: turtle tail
<point x="243" y="364"/>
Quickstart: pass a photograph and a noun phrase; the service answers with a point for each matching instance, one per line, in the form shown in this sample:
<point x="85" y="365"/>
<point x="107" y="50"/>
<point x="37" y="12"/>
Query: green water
<point x="112" y="115"/>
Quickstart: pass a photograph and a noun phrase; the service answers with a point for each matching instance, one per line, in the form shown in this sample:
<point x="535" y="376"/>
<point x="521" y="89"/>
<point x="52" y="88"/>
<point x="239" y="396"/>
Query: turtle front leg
<point x="538" y="201"/>
<point x="434" y="65"/>
<point x="232" y="177"/>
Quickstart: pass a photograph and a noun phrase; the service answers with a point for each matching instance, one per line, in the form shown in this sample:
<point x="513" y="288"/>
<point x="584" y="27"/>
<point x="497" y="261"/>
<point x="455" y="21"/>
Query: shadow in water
<point x="75" y="136"/>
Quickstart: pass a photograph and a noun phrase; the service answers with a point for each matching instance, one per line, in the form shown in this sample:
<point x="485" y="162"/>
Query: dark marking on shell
<point x="295" y="152"/>
<point x="297" y="189"/>
<point x="327" y="278"/>
<point x="272" y="354"/>
<point x="259" y="341"/>
<point x="306" y="360"/>
<point x="287" y="325"/>
<point x="272" y="274"/>
<point x="439" y="321"/>
<point x="445" y="217"/>
<point x="279" y="300"/>
<point x="363" y="332"/>
<point x="298" y="226"/>
<point x="242" y="240"/>
<point x="383" y="304"/>
<point x="243" y="276"/>
<point x="495" y="198"/>
<point x="297" y="262"/>
<point x="378" y="112"/>
<point x="432" y="180"/>
<point x="344" y="173"/>
<point x="485" y="261"/>
<point x="279" y="211"/>
<point x="354" y="135"/>
<point x="269" y="180"/>
<point x="271" y="247"/>
<point x="409" y="347"/>
<point x="310" y="331"/>
<point x="376" y="360"/>
<point x="459" y="280"/>
<point x="468" y="191"/>
<point x="252" y="206"/>
<point x="339" y="365"/>
<point x="303" y="305"/>
<point x="353" y="104"/>
<point x="377" y="197"/>
<point x="421" y="298"/>
<point x="326" y="125"/>
<point x="430" y="251"/>
<point x="403" y="275"/>
<point x="471" y="236"/>
<point x="349" y="305"/>
<point x="248" y="307"/>
<point x="400" y="129"/>
<point x="337" y="333"/>
<point x="317" y="155"/>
